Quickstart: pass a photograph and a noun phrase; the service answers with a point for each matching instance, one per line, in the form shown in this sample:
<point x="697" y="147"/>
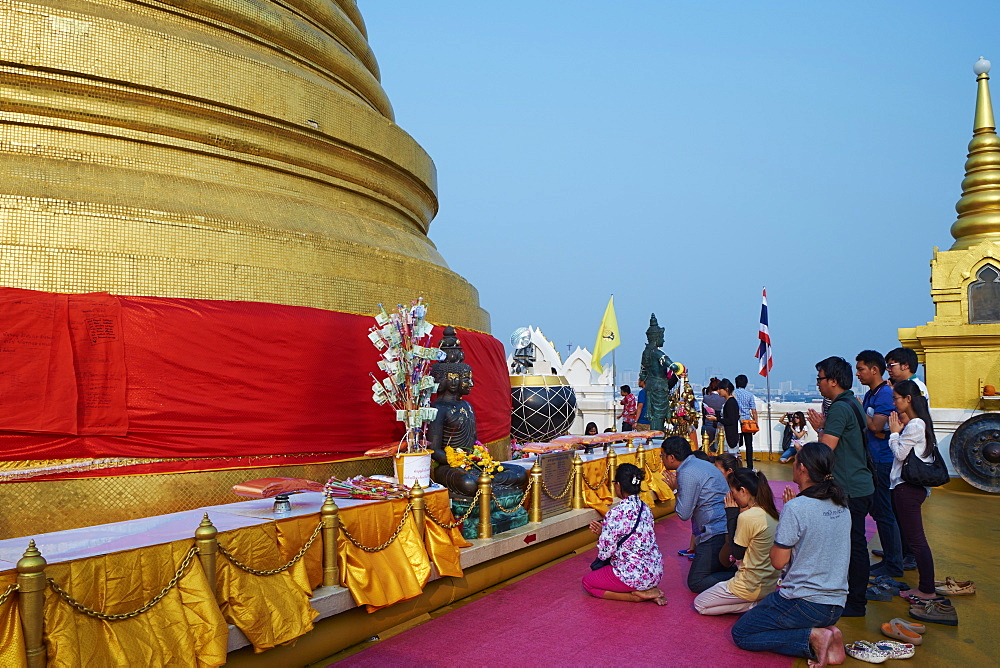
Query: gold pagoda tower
<point x="960" y="348"/>
<point x="212" y="149"/>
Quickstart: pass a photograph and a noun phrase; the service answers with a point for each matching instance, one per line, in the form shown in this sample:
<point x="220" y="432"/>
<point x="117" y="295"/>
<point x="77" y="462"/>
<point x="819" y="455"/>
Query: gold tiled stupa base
<point x="211" y="149"/>
<point x="216" y="149"/>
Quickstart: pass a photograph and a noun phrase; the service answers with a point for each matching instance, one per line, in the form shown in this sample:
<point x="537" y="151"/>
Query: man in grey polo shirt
<point x="701" y="491"/>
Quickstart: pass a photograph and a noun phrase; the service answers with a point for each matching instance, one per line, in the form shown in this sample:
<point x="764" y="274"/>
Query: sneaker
<point x="909" y="562"/>
<point x="935" y="612"/>
<point x="952" y="587"/>
<point x="862" y="650"/>
<point x="685" y="553"/>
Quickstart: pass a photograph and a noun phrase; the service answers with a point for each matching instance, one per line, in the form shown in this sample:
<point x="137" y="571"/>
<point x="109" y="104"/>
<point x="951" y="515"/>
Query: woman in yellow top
<point x="752" y="519"/>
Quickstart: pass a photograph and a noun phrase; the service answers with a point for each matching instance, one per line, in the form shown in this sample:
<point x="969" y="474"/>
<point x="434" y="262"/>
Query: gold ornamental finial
<point x="979" y="208"/>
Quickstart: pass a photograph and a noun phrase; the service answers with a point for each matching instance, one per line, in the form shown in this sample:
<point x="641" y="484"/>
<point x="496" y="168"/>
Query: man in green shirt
<point x="842" y="430"/>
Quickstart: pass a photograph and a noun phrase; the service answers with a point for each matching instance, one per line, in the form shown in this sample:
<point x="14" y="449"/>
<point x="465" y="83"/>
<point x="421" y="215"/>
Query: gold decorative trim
<point x="537" y="381"/>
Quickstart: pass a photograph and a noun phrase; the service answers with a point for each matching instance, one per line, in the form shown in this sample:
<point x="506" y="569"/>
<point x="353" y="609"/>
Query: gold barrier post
<point x="31" y="585"/>
<point x="577" y="482"/>
<point x="640" y="457"/>
<point x="331" y="522"/>
<point x="629" y="444"/>
<point x="535" y="475"/>
<point x="485" y="528"/>
<point x="419" y="505"/>
<point x="208" y="548"/>
<point x="705" y="444"/>
<point x="613" y="463"/>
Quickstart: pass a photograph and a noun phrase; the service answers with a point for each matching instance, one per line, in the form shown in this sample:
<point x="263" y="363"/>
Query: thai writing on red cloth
<point x="62" y="363"/>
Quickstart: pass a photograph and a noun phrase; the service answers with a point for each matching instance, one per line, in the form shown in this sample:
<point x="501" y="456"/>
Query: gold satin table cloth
<point x="400" y="571"/>
<point x="654" y="488"/>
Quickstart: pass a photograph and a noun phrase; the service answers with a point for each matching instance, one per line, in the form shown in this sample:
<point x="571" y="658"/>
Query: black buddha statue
<point x="455" y="424"/>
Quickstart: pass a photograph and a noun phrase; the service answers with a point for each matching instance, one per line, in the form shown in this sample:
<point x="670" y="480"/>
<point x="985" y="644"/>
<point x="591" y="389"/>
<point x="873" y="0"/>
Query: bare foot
<point x="650" y="594"/>
<point x="836" y="654"/>
<point x="660" y="600"/>
<point x="819" y="640"/>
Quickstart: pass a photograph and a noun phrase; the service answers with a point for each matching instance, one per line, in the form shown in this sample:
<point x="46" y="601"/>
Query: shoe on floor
<point x="910" y="595"/>
<point x="935" y="612"/>
<point x="879" y="593"/>
<point x="880" y="569"/>
<point x="952" y="587"/>
<point x="890" y="583"/>
<point x="878" y="553"/>
<point x="909" y="563"/>
<point x="896" y="650"/>
<point x="862" y="650"/>
<point x="900" y="630"/>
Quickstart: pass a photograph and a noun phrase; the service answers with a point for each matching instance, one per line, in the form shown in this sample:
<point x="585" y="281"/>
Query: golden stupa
<point x="212" y="149"/>
<point x="961" y="346"/>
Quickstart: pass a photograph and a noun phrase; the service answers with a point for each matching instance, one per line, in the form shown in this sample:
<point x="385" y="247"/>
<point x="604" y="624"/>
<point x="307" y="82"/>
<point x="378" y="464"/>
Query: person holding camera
<point x="629" y="564"/>
<point x="796" y="424"/>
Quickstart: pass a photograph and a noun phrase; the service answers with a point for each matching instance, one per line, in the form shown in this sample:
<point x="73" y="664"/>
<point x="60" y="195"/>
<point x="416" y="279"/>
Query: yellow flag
<point x="607" y="336"/>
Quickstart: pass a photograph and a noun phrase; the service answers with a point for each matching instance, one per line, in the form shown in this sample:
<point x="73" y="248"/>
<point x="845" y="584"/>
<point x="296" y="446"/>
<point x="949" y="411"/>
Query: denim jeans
<point x="783" y="625"/>
<point x="885" y="520"/>
<point x="706" y="569"/>
<point x="747" y="440"/>
<point x="858" y="569"/>
<point x="787" y="454"/>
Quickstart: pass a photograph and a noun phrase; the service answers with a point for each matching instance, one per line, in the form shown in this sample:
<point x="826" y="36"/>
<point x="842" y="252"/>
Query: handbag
<point x="918" y="472"/>
<point x="749" y="426"/>
<point x="601" y="563"/>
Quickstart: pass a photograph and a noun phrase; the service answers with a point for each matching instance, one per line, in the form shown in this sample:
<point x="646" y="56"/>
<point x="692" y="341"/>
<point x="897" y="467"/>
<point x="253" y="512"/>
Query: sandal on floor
<point x="862" y="650"/>
<point x="896" y="650"/>
<point x="898" y="631"/>
<point x="953" y="587"/>
<point x="879" y="593"/>
<point x="889" y="582"/>
<point x="916" y="627"/>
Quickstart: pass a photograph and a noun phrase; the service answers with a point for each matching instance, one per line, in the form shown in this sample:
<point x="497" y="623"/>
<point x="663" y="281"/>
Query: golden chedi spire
<point x="212" y="149"/>
<point x="979" y="208"/>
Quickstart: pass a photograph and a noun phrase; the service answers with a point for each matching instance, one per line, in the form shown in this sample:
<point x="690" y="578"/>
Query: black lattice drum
<point x="543" y="407"/>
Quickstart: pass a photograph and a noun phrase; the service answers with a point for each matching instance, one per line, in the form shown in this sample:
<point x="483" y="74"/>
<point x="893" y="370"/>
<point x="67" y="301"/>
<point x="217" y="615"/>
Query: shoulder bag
<point x="601" y="563"/>
<point x="918" y="472"/>
<point x="749" y="426"/>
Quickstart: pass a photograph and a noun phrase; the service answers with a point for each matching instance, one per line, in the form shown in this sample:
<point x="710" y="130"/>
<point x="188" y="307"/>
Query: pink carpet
<point x="547" y="619"/>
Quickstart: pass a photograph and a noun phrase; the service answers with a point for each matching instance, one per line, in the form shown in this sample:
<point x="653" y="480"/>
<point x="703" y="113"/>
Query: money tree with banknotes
<point x="404" y="340"/>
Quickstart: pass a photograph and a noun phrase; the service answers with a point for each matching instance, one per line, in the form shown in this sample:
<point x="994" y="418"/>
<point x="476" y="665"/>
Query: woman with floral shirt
<point x="626" y="538"/>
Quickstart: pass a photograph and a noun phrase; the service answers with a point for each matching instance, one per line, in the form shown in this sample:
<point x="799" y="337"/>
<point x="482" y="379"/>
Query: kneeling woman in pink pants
<point x="626" y="538"/>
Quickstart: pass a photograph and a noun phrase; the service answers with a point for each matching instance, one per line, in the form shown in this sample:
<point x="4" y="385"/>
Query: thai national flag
<point x="764" y="349"/>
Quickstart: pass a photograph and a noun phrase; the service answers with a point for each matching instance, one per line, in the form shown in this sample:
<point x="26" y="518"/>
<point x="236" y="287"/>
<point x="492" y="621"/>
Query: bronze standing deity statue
<point x="455" y="424"/>
<point x="656" y="370"/>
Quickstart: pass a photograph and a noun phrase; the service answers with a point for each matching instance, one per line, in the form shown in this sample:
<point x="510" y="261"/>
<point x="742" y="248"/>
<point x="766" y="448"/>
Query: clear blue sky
<point x="683" y="154"/>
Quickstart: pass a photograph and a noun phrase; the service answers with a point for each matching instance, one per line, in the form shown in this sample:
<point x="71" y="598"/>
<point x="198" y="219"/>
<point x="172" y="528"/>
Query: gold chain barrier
<point x="395" y="534"/>
<point x="7" y="592"/>
<point x="274" y="571"/>
<point x="64" y="595"/>
<point x="562" y="494"/>
<point x="515" y="507"/>
<point x="607" y="474"/>
<point x="457" y="523"/>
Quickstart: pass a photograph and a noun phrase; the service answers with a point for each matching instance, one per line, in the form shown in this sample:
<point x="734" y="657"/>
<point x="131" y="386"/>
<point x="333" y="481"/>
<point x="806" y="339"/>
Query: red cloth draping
<point x="207" y="378"/>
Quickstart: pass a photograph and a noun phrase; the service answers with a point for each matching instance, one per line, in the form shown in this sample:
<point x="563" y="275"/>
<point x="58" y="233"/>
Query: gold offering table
<point x="236" y="584"/>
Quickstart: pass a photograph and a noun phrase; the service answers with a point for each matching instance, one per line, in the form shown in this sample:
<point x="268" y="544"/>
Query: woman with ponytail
<point x="627" y="543"/>
<point x="752" y="519"/>
<point x="812" y="543"/>
<point x="912" y="430"/>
